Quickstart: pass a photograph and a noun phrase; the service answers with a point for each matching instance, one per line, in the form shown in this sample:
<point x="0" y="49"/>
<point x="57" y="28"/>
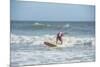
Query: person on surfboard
<point x="59" y="37"/>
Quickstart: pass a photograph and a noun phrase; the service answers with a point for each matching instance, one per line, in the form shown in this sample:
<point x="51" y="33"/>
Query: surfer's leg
<point x="60" y="39"/>
<point x="56" y="40"/>
<point x="61" y="42"/>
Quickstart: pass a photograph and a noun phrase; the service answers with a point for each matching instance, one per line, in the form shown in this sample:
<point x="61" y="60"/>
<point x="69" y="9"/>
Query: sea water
<point x="28" y="48"/>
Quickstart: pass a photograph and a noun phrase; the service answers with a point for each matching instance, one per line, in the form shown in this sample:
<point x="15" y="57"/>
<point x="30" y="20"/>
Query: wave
<point x="37" y="23"/>
<point x="66" y="25"/>
<point x="41" y="25"/>
<point x="38" y="40"/>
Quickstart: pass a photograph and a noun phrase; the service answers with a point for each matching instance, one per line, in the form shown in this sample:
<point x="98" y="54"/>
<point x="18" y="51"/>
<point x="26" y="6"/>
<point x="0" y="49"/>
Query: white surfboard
<point x="52" y="44"/>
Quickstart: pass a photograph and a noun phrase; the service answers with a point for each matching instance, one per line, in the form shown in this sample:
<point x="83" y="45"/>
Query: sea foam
<point x="37" y="40"/>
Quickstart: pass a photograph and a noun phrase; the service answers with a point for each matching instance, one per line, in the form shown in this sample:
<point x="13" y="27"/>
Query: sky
<point x="39" y="11"/>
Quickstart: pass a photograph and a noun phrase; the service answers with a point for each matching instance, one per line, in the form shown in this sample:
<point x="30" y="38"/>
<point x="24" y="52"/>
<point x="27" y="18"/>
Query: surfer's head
<point x="61" y="32"/>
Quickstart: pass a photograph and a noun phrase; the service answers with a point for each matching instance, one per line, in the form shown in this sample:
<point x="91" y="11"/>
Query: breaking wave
<point x="37" y="23"/>
<point x="66" y="25"/>
<point x="41" y="25"/>
<point x="38" y="40"/>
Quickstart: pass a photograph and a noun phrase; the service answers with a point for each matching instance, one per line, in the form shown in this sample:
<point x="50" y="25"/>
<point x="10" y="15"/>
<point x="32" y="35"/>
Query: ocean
<point x="28" y="48"/>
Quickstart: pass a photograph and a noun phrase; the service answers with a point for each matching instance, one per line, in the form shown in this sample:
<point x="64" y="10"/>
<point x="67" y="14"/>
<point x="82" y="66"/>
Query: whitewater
<point x="38" y="40"/>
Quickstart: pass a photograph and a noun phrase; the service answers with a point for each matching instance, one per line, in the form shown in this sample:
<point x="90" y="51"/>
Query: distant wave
<point x="37" y="40"/>
<point x="67" y="26"/>
<point x="41" y="25"/>
<point x="37" y="23"/>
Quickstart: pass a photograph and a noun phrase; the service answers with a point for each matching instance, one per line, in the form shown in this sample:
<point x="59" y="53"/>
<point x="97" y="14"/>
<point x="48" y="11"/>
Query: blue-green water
<point x="27" y="47"/>
<point x="34" y="27"/>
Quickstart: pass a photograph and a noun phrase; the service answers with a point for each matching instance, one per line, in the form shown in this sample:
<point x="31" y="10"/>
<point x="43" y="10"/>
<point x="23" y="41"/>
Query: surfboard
<point x="50" y="44"/>
<point x="53" y="44"/>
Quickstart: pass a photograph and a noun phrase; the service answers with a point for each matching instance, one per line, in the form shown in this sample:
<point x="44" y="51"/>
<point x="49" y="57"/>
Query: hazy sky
<point x="21" y="10"/>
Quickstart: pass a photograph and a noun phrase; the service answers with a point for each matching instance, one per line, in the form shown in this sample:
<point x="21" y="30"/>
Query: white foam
<point x="67" y="26"/>
<point x="37" y="40"/>
<point x="37" y="23"/>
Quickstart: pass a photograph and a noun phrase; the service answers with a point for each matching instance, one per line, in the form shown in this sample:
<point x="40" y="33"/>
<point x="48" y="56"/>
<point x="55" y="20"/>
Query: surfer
<point x="59" y="37"/>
